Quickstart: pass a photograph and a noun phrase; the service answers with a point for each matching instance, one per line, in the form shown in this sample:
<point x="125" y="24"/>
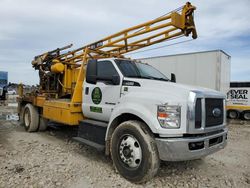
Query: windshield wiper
<point x="163" y="79"/>
<point x="149" y="77"/>
<point x="138" y="76"/>
<point x="155" y="78"/>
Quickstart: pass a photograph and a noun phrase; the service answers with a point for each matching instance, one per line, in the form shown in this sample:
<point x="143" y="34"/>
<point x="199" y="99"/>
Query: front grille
<point x="198" y="113"/>
<point x="214" y="112"/>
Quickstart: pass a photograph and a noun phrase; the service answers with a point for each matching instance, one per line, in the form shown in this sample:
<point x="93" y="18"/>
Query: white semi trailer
<point x="209" y="69"/>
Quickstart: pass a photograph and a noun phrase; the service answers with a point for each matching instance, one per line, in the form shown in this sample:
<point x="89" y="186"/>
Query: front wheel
<point x="134" y="152"/>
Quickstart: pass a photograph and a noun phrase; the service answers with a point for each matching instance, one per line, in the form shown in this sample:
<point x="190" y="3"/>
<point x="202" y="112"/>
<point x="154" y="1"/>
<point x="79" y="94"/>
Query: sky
<point x="32" y="27"/>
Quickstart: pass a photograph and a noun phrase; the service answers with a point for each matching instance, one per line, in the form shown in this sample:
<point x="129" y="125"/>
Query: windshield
<point x="134" y="69"/>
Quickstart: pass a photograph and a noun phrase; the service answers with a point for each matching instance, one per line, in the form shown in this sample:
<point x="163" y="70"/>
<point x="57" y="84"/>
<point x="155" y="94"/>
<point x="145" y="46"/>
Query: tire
<point x="21" y="116"/>
<point x="233" y="114"/>
<point x="246" y="115"/>
<point x="31" y="118"/>
<point x="43" y="124"/>
<point x="134" y="152"/>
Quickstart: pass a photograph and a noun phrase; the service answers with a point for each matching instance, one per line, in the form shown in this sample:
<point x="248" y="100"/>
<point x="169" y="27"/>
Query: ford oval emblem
<point x="216" y="112"/>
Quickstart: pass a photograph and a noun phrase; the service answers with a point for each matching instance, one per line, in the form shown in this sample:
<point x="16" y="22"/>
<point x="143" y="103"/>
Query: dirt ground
<point x="52" y="159"/>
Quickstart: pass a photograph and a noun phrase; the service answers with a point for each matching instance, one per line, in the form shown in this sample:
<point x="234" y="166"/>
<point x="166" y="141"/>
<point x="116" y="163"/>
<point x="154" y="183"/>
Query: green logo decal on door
<point x="96" y="95"/>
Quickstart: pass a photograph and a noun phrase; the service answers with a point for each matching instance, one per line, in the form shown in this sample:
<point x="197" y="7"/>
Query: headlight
<point x="169" y="116"/>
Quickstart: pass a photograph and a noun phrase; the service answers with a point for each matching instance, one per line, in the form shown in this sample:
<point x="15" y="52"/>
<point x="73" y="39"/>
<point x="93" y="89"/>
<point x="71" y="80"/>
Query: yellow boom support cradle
<point x="68" y="69"/>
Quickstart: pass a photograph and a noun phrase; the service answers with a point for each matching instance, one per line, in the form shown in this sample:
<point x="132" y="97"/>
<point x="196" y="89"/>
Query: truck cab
<point x="184" y="122"/>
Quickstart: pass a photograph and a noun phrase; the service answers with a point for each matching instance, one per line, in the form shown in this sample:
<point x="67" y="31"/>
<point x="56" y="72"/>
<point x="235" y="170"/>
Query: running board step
<point x="99" y="147"/>
<point x="92" y="133"/>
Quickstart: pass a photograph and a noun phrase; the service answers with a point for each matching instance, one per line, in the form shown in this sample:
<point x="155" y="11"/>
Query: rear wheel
<point x="134" y="152"/>
<point x="246" y="115"/>
<point x="30" y="118"/>
<point x="21" y="115"/>
<point x="43" y="124"/>
<point x="233" y="114"/>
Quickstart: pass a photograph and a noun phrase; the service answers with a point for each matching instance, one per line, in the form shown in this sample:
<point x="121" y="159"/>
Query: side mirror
<point x="91" y="79"/>
<point x="173" y="77"/>
<point x="116" y="79"/>
<point x="91" y="72"/>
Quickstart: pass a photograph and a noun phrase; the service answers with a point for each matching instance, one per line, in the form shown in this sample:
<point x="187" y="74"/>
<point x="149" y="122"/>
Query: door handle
<point x="86" y="90"/>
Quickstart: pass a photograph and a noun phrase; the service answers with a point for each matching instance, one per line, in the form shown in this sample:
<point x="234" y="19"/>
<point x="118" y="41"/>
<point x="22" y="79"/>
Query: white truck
<point x="238" y="100"/>
<point x="126" y="108"/>
<point x="148" y="117"/>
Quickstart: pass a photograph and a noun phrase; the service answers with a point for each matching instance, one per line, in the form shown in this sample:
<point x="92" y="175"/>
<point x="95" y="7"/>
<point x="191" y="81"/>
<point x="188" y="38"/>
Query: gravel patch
<point x="52" y="159"/>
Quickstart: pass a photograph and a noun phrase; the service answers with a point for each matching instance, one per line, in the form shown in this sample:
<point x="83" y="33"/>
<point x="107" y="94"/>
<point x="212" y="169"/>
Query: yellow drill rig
<point x="121" y="106"/>
<point x="59" y="97"/>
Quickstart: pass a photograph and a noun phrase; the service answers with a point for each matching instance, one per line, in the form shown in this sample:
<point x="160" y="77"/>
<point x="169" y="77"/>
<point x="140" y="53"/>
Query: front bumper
<point x="182" y="149"/>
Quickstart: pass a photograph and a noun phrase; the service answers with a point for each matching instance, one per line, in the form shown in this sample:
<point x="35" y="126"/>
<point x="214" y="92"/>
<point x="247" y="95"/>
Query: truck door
<point x="102" y="93"/>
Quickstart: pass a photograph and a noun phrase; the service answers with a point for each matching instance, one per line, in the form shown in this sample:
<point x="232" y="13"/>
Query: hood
<point x="160" y="84"/>
<point x="176" y="91"/>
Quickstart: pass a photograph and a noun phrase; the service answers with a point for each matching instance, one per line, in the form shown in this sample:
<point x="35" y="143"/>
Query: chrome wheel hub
<point x="130" y="151"/>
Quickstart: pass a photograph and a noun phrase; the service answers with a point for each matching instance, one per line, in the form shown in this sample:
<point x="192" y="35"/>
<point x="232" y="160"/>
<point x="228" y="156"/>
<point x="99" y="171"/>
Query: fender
<point x="136" y="109"/>
<point x="141" y="104"/>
